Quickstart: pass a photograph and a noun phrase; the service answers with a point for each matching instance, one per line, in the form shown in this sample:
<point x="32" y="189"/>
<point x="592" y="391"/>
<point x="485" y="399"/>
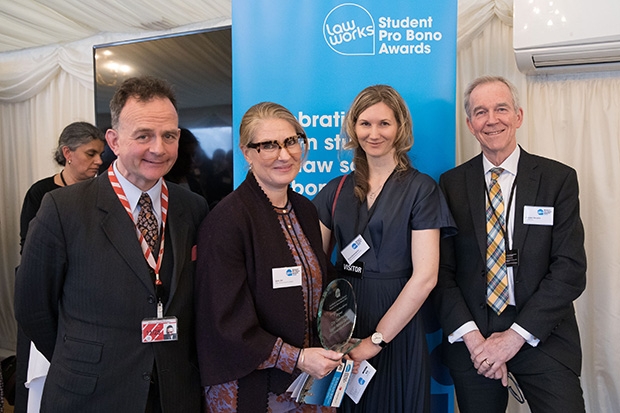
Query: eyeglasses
<point x="514" y="389"/>
<point x="271" y="149"/>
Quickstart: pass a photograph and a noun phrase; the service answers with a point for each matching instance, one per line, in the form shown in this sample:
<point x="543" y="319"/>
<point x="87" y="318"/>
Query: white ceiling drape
<point x="33" y="23"/>
<point x="572" y="118"/>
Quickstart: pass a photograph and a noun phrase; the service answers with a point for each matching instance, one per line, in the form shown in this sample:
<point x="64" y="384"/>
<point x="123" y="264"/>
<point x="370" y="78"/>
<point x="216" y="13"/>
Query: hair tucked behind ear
<point x="75" y="135"/>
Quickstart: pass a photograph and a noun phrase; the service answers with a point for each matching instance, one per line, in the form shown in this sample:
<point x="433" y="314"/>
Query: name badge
<point x="155" y="330"/>
<point x="286" y="277"/>
<point x="537" y="215"/>
<point x="355" y="249"/>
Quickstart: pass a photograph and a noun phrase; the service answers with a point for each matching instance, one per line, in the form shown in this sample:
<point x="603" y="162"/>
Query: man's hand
<point x="491" y="356"/>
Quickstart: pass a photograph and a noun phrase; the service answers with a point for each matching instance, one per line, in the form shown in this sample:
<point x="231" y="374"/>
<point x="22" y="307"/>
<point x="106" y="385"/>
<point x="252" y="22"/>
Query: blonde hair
<point x="404" y="136"/>
<point x="260" y="112"/>
<point x="263" y="111"/>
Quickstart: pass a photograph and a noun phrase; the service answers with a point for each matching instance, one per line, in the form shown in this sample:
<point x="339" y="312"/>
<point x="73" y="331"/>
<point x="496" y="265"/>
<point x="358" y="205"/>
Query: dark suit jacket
<point x="83" y="288"/>
<point x="551" y="272"/>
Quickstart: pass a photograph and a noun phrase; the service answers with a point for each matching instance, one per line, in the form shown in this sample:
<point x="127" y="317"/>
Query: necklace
<point x="372" y="195"/>
<point x="62" y="178"/>
<point x="283" y="209"/>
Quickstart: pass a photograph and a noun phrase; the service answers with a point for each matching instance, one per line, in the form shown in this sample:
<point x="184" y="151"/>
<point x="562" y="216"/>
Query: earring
<point x="69" y="161"/>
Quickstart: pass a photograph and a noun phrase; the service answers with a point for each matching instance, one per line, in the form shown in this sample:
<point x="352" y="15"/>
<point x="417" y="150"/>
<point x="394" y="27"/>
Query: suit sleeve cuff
<point x="527" y="336"/>
<point x="457" y="335"/>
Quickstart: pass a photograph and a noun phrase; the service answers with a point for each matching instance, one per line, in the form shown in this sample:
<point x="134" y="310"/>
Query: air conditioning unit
<point x="558" y="36"/>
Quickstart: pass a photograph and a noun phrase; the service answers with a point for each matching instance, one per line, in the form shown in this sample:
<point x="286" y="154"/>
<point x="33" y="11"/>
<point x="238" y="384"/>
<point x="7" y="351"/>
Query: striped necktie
<point x="497" y="275"/>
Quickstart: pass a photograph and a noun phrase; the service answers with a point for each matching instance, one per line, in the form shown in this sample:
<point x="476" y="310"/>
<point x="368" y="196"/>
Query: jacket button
<point x="482" y="306"/>
<point x="151" y="299"/>
<point x="146" y="376"/>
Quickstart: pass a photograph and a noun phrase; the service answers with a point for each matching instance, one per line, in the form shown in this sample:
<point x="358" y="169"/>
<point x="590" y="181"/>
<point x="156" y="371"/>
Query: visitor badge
<point x="355" y="249"/>
<point x="354" y="270"/>
<point x="537" y="215"/>
<point x="286" y="277"/>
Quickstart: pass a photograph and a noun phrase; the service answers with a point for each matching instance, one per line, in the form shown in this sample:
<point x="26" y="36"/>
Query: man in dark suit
<point x="90" y="286"/>
<point x="523" y="322"/>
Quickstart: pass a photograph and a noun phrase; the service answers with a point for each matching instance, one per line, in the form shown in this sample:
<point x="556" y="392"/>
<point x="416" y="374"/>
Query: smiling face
<point x="146" y="141"/>
<point x="494" y="120"/>
<point x="376" y="129"/>
<point x="273" y="175"/>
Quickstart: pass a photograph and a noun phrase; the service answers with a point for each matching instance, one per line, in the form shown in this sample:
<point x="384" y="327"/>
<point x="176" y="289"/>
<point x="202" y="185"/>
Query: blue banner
<point x="314" y="57"/>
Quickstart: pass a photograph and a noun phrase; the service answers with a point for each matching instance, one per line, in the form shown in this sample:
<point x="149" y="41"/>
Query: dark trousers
<point x="548" y="385"/>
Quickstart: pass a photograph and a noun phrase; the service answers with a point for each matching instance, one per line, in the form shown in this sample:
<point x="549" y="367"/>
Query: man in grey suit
<point x="94" y="296"/>
<point x="505" y="300"/>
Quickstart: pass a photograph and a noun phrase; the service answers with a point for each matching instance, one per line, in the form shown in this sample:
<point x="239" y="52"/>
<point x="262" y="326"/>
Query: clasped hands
<point x="490" y="355"/>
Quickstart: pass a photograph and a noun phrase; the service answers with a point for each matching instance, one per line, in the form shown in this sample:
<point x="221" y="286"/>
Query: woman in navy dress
<point x="401" y="214"/>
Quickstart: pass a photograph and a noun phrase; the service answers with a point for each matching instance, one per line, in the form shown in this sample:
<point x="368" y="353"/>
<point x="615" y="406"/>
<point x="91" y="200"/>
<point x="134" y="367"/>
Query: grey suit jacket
<point x="551" y="272"/>
<point x="83" y="288"/>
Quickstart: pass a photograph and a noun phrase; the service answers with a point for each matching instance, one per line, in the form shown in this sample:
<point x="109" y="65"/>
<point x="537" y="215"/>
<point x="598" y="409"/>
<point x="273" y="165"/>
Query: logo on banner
<point x="349" y="29"/>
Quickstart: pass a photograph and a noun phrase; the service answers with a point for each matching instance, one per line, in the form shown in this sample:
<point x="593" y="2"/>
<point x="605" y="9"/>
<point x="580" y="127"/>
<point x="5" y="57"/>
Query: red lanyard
<point x="146" y="250"/>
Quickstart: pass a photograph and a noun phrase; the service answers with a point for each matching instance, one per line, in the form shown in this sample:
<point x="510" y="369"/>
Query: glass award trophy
<point x="336" y="318"/>
<point x="335" y="321"/>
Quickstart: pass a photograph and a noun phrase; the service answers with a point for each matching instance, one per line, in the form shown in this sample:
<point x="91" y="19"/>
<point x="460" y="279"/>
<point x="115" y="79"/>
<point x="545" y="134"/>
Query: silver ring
<point x="487" y="361"/>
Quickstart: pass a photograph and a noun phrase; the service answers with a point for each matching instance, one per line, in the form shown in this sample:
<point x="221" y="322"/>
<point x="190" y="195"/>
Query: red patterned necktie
<point x="147" y="223"/>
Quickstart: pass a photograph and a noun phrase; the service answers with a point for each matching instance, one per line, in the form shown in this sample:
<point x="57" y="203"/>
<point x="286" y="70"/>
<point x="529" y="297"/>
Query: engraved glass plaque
<point x="337" y="314"/>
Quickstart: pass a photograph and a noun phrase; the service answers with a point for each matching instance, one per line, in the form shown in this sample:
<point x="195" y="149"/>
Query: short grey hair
<point x="490" y="79"/>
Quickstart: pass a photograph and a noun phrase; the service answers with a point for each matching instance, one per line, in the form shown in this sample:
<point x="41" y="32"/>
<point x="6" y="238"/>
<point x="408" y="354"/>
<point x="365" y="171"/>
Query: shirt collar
<point x="133" y="193"/>
<point x="510" y="164"/>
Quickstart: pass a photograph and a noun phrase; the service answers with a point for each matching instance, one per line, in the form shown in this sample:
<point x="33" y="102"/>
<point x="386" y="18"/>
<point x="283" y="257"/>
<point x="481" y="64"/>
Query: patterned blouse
<point x="223" y="397"/>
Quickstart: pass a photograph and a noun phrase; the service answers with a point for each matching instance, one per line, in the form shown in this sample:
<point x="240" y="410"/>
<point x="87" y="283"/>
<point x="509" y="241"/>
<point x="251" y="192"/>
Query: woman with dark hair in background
<point x="79" y="150"/>
<point x="79" y="153"/>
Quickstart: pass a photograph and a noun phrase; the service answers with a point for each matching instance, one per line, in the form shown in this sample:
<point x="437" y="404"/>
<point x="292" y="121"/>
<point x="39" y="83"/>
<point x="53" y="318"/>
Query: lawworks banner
<point x="314" y="57"/>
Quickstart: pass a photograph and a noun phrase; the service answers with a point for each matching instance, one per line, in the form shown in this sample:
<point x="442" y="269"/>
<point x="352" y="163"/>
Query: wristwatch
<point x="377" y="338"/>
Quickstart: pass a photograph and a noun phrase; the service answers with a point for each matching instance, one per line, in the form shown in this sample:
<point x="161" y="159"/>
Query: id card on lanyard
<point x="512" y="255"/>
<point x="151" y="327"/>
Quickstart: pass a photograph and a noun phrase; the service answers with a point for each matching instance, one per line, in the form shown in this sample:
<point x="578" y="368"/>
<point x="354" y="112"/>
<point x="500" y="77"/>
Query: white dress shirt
<point x="506" y="181"/>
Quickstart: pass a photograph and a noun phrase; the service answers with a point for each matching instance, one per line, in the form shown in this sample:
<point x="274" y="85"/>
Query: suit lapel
<point x="475" y="186"/>
<point x="179" y="230"/>
<point x="120" y="230"/>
